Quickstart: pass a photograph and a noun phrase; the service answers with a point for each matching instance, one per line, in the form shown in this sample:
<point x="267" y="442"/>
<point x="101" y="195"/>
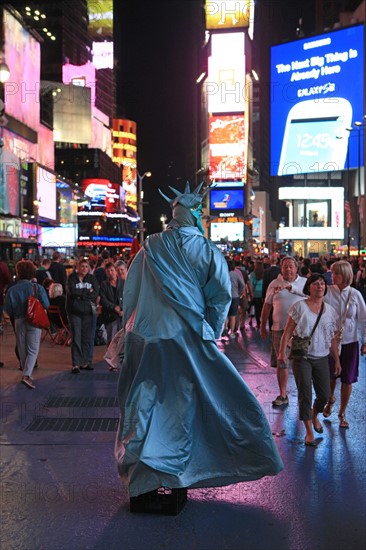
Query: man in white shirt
<point x="281" y="294"/>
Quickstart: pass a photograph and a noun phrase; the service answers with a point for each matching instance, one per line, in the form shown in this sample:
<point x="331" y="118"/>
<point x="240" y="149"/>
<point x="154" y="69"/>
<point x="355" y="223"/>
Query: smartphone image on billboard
<point x="315" y="137"/>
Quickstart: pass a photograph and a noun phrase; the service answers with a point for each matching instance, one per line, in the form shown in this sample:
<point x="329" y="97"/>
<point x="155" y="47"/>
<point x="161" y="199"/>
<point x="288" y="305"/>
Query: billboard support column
<point x="140" y="204"/>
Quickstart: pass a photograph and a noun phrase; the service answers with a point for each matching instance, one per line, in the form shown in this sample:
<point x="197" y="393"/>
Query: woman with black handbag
<point x="313" y="326"/>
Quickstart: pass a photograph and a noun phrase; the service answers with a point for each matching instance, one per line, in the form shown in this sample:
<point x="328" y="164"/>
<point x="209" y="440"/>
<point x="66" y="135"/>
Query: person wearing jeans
<point x="82" y="292"/>
<point x="28" y="337"/>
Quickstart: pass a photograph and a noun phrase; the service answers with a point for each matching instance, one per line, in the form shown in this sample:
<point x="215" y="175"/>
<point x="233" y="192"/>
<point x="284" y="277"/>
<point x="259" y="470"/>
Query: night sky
<point x="156" y="46"/>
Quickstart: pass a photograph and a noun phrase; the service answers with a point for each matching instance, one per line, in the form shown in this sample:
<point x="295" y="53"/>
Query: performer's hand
<point x="263" y="333"/>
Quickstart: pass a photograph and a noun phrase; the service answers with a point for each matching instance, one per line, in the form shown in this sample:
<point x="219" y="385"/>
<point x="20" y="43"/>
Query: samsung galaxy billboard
<point x="317" y="92"/>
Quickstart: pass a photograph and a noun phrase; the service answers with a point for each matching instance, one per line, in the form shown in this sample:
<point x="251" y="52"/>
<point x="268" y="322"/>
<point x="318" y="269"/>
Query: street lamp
<point x="359" y="125"/>
<point x="4" y="72"/>
<point x="140" y="204"/>
<point x="163" y="219"/>
<point x="97" y="228"/>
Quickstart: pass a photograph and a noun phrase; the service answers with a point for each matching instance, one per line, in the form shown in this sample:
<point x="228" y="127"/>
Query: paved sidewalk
<point x="60" y="488"/>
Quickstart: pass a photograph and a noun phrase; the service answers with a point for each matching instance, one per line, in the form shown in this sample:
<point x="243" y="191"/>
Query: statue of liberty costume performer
<point x="187" y="417"/>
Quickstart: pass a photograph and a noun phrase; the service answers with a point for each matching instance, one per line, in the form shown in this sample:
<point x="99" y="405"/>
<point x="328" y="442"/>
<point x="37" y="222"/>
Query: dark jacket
<point x="42" y="274"/>
<point x="111" y="297"/>
<point x="269" y="275"/>
<point x="81" y="295"/>
<point x="58" y="273"/>
<point x="5" y="279"/>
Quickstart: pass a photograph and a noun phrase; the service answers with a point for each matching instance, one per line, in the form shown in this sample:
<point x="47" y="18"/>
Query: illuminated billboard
<point x="228" y="14"/>
<point x="23" y="56"/>
<point x="227" y="199"/>
<point x="46" y="194"/>
<point x="227" y="231"/>
<point x="219" y="184"/>
<point x="227" y="147"/>
<point x="100" y="15"/>
<point x="72" y="115"/>
<point x="317" y="92"/>
<point x="314" y="212"/>
<point x="9" y="183"/>
<point x="225" y="85"/>
<point x="103" y="196"/>
<point x="103" y="55"/>
<point x="124" y="154"/>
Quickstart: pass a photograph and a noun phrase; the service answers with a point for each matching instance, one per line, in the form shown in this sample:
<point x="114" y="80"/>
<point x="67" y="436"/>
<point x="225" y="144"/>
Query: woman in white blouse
<point x="351" y="311"/>
<point x="313" y="370"/>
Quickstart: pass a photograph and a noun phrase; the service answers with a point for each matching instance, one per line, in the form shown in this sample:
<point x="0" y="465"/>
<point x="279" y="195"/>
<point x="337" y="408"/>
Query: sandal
<point x="328" y="408"/>
<point x="318" y="427"/>
<point x="342" y="421"/>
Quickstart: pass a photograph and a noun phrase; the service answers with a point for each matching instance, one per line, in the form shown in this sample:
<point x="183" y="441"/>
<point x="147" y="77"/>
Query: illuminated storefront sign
<point x="314" y="212"/>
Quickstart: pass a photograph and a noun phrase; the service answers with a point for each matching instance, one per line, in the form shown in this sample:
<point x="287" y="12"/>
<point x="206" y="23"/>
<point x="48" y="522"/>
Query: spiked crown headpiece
<point x="187" y="199"/>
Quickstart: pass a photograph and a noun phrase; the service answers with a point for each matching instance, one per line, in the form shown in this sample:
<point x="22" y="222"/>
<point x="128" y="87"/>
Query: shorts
<point x="234" y="306"/>
<point x="244" y="303"/>
<point x="275" y="348"/>
<point x="349" y="358"/>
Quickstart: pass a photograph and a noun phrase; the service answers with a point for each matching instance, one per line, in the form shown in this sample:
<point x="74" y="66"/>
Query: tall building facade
<point x="74" y="90"/>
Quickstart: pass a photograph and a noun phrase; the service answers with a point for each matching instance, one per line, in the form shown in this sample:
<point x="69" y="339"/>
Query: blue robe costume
<point x="187" y="417"/>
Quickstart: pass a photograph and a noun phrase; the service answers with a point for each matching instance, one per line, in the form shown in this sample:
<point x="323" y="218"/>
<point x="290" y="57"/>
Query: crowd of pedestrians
<point x="90" y="295"/>
<point x="283" y="296"/>
<point x="296" y="296"/>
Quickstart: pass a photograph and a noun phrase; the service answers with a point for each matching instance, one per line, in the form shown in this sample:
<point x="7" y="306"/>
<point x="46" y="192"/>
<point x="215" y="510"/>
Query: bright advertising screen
<point x="228" y="231"/>
<point x="227" y="147"/>
<point x="225" y="85"/>
<point x="227" y="199"/>
<point x="228" y="14"/>
<point x="103" y="196"/>
<point x="103" y="55"/>
<point x="23" y="56"/>
<point x="317" y="91"/>
<point x="100" y="13"/>
<point x="46" y="194"/>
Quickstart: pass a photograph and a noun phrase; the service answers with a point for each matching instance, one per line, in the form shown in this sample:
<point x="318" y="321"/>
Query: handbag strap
<point x="34" y="287"/>
<point x="346" y="309"/>
<point x="317" y="320"/>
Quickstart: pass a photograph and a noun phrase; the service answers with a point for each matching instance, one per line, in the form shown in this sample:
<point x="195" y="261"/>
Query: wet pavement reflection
<point x="60" y="488"/>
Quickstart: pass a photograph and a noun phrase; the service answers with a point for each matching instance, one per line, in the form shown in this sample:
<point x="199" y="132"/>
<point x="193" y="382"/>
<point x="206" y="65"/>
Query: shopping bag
<point x="115" y="351"/>
<point x="36" y="313"/>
